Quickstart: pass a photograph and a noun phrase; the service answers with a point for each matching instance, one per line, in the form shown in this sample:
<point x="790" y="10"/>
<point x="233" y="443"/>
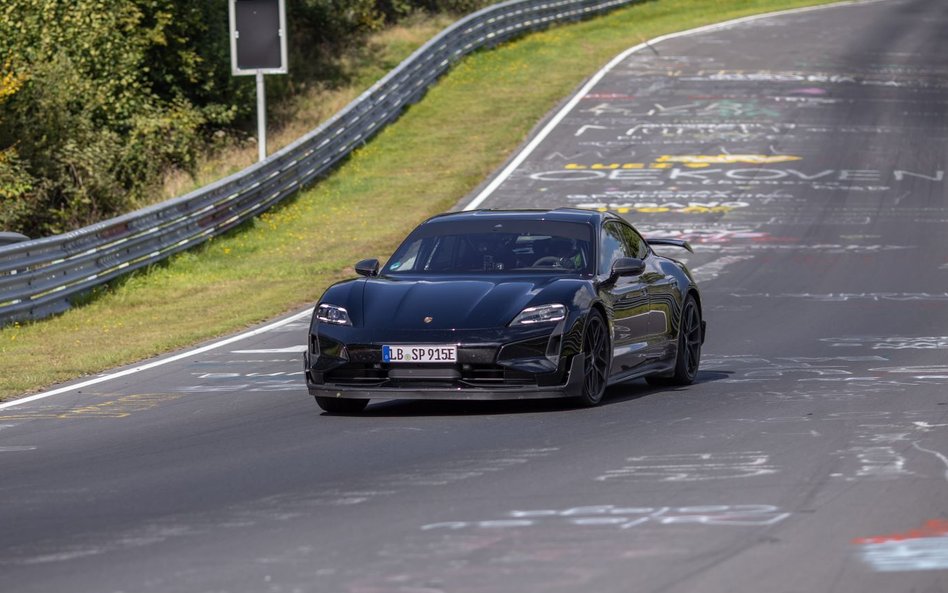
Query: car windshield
<point x="494" y="246"/>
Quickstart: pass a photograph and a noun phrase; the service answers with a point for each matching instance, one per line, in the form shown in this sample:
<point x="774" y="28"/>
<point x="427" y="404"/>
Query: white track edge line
<point x="582" y="92"/>
<point x="158" y="363"/>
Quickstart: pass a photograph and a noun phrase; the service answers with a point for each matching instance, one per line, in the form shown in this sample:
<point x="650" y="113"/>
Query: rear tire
<point x="338" y="405"/>
<point x="688" y="358"/>
<point x="597" y="359"/>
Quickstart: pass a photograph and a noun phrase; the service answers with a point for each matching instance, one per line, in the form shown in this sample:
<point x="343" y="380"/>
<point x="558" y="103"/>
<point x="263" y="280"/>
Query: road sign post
<point x="258" y="47"/>
<point x="261" y="118"/>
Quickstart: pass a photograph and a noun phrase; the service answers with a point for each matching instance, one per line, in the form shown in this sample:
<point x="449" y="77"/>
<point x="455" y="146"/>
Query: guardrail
<point x="8" y="238"/>
<point x="39" y="277"/>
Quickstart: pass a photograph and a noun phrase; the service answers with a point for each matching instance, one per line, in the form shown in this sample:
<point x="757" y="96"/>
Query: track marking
<point x="940" y="456"/>
<point x="555" y="121"/>
<point x="158" y="363"/>
<point x="287" y="350"/>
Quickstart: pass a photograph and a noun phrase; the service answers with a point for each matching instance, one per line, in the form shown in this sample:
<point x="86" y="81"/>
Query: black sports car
<point x="497" y="304"/>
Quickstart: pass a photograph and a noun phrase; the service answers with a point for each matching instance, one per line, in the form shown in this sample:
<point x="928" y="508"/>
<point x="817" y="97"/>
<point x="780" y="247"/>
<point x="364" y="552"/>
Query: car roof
<point x="559" y="215"/>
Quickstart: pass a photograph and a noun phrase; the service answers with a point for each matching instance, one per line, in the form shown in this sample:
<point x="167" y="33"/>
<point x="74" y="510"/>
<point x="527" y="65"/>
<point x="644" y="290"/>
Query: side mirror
<point x="367" y="267"/>
<point x="627" y="266"/>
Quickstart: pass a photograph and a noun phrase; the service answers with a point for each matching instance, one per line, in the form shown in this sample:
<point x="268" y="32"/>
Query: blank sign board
<point x="258" y="42"/>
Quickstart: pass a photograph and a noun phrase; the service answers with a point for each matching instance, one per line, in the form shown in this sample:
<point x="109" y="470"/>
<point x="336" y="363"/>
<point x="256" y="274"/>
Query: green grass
<point x="435" y="154"/>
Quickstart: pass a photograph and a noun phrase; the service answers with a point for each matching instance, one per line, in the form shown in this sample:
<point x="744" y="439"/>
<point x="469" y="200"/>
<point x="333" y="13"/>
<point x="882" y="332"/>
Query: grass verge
<point x="436" y="153"/>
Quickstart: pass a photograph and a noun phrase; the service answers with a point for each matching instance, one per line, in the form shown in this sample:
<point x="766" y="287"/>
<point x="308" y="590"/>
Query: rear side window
<point x="636" y="244"/>
<point x="619" y="240"/>
<point x="613" y="246"/>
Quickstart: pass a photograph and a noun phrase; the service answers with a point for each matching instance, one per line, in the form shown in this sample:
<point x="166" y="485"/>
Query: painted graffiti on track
<point x="846" y="297"/>
<point x="626" y="517"/>
<point x="892" y="342"/>
<point x="864" y="373"/>
<point x="660" y="174"/>
<point x="925" y="548"/>
<point x="692" y="467"/>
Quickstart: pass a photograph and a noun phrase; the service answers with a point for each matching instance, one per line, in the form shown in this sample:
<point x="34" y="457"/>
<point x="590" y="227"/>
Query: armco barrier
<point x="38" y="277"/>
<point x="8" y="238"/>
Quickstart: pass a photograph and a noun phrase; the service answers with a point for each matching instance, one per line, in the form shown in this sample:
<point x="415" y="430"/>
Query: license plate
<point x="420" y="353"/>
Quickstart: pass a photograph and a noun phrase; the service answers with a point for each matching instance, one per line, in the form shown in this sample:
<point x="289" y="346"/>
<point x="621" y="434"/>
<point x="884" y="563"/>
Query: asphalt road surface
<point x="804" y="157"/>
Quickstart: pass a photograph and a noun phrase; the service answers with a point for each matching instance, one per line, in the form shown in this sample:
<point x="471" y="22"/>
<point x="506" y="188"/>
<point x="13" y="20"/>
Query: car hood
<point x="449" y="303"/>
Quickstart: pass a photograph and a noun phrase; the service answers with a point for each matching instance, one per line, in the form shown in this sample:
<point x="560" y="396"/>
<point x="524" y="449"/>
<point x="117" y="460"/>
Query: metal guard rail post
<point x="39" y="277"/>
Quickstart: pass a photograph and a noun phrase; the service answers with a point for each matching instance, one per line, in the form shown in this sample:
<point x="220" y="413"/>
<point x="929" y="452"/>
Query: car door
<point x="662" y="295"/>
<point x="628" y="298"/>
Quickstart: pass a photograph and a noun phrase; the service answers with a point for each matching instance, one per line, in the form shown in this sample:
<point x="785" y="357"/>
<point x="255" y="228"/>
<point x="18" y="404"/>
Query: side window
<point x="637" y="245"/>
<point x="613" y="246"/>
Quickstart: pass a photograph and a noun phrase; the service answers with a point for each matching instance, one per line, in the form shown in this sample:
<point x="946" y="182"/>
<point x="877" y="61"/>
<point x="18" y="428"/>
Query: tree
<point x="90" y="124"/>
<point x="15" y="181"/>
<point x="101" y="97"/>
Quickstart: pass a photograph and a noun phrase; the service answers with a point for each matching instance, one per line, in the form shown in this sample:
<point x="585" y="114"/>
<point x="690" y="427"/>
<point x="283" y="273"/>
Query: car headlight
<point x="333" y="314"/>
<point x="540" y="314"/>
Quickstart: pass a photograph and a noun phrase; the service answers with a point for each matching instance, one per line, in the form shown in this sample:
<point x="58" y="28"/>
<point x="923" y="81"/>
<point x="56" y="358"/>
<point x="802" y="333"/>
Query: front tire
<point x="688" y="357"/>
<point x="338" y="405"/>
<point x="597" y="359"/>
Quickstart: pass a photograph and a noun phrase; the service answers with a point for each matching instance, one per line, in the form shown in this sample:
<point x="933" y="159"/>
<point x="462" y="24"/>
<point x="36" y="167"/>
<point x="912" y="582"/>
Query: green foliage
<point x="14" y="179"/>
<point x="453" y="6"/>
<point x="110" y="94"/>
<point x="189" y="58"/>
<point x="394" y="10"/>
<point x="92" y="130"/>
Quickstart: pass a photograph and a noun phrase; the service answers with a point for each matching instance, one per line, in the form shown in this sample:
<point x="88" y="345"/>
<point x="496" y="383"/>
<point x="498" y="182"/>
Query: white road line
<point x="935" y="453"/>
<point x="158" y="363"/>
<point x="287" y="350"/>
<point x="555" y="121"/>
<point x="705" y="273"/>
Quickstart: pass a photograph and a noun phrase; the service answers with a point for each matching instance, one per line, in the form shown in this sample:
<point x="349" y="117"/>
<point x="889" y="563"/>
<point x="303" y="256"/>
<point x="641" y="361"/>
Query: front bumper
<point x="492" y="365"/>
<point x="571" y="387"/>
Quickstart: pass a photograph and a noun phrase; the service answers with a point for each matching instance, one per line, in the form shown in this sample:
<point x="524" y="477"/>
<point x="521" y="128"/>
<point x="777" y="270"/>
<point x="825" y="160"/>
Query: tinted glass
<point x="614" y="246"/>
<point x="485" y="247"/>
<point x="636" y="245"/>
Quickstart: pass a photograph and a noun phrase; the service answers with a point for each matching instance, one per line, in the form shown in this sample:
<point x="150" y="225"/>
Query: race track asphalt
<point x="803" y="155"/>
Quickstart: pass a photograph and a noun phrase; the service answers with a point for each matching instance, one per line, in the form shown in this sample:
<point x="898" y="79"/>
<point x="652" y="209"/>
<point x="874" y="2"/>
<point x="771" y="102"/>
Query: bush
<point x="110" y="94"/>
<point x="91" y="129"/>
<point x="15" y="181"/>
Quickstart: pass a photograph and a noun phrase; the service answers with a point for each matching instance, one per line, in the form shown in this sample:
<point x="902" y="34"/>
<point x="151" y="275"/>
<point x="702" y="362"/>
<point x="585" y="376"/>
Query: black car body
<point x="506" y="305"/>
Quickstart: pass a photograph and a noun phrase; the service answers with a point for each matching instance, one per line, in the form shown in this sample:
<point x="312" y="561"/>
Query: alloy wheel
<point x="597" y="358"/>
<point x="691" y="338"/>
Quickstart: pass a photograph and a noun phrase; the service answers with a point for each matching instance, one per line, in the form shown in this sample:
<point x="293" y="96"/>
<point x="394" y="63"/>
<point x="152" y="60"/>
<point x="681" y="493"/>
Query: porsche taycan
<point x="494" y="304"/>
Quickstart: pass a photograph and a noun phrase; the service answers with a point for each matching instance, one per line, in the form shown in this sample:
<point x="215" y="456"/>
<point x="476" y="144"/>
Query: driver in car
<point x="561" y="253"/>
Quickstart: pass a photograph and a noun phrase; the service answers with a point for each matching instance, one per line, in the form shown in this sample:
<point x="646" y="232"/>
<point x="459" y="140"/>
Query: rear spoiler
<point x="672" y="242"/>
